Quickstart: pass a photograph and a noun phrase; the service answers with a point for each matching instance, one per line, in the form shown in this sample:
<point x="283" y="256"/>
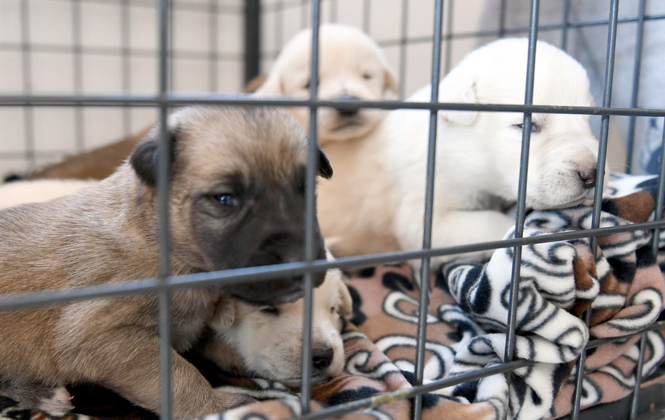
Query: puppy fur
<point x="236" y="200"/>
<point x="351" y="66"/>
<point x="267" y="340"/>
<point x="248" y="340"/>
<point x="22" y="192"/>
<point x="478" y="153"/>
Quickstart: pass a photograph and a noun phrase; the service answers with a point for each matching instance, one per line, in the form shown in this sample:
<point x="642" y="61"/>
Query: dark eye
<point x="367" y="76"/>
<point x="307" y="85"/>
<point x="227" y="200"/>
<point x="270" y="310"/>
<point x="332" y="310"/>
<point x="534" y="127"/>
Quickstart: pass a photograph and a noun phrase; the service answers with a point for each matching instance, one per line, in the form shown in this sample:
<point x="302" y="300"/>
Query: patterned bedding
<point x="466" y="328"/>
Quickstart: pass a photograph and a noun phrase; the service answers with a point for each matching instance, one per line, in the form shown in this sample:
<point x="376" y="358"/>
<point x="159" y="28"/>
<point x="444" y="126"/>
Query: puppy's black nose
<point x="588" y="178"/>
<point x="322" y="357"/>
<point x="348" y="112"/>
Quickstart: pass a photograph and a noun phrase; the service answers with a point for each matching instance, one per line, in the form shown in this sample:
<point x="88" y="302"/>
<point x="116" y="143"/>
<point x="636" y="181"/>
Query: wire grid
<point x="165" y="284"/>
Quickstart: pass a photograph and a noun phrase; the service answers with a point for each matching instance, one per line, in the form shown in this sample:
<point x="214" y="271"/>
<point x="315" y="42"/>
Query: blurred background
<point x="109" y="47"/>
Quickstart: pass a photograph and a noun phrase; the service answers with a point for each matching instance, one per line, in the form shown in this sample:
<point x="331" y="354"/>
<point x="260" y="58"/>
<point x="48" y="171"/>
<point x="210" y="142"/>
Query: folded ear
<point x="145" y="157"/>
<point x="390" y="80"/>
<point x="325" y="170"/>
<point x="458" y="87"/>
<point x="346" y="308"/>
<point x="255" y="84"/>
<point x="272" y="85"/>
<point x="224" y="316"/>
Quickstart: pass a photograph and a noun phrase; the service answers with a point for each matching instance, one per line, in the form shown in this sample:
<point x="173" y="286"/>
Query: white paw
<point x="59" y="404"/>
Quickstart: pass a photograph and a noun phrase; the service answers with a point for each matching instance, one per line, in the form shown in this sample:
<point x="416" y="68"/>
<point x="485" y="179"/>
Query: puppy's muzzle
<point x="588" y="178"/>
<point x="280" y="248"/>
<point x="348" y="112"/>
<point x="322" y="357"/>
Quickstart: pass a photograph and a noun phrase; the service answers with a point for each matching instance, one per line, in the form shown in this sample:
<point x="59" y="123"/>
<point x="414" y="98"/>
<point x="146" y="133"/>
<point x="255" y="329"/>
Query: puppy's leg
<point x="132" y="370"/>
<point x="454" y="228"/>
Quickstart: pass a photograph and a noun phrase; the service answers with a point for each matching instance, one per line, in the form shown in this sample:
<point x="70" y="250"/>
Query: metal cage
<point x="251" y="12"/>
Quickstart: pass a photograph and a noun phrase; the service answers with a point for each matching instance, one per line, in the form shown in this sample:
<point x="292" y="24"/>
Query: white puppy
<point x="478" y="153"/>
<point x="267" y="341"/>
<point x="21" y="192"/>
<point x="351" y="205"/>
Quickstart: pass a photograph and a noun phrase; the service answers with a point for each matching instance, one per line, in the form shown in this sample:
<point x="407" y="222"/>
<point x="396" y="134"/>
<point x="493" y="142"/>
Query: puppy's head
<point x="563" y="150"/>
<point x="269" y="338"/>
<point x="351" y="67"/>
<point x="237" y="194"/>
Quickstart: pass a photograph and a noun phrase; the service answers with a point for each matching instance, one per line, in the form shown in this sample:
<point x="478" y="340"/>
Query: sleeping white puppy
<point x="352" y="204"/>
<point x="478" y="153"/>
<point x="267" y="341"/>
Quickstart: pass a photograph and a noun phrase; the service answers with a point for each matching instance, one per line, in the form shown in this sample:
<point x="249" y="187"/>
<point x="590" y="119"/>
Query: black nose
<point x="588" y="178"/>
<point x="322" y="357"/>
<point x="348" y="112"/>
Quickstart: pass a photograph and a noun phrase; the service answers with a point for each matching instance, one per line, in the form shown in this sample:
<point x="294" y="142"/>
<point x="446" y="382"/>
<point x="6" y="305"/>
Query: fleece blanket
<point x="622" y="284"/>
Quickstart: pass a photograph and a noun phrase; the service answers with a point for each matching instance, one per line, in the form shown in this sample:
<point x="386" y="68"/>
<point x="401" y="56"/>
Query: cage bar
<point x="600" y="174"/>
<point x="310" y="216"/>
<point x="423" y="301"/>
<point x="521" y="192"/>
<point x="637" y="67"/>
<point x="163" y="187"/>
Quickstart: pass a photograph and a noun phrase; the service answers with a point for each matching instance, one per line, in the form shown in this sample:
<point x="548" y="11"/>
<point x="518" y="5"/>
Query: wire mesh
<point x="165" y="284"/>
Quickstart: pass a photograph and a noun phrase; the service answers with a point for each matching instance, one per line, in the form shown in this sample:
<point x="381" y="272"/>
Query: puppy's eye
<point x="307" y="85"/>
<point x="534" y="127"/>
<point x="367" y="76"/>
<point x="333" y="310"/>
<point x="270" y="310"/>
<point x="227" y="200"/>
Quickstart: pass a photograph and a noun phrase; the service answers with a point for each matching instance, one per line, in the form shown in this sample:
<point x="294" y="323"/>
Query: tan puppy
<point x="268" y="339"/>
<point x="351" y="66"/>
<point x="22" y="192"/>
<point x="236" y="201"/>
<point x="478" y="153"/>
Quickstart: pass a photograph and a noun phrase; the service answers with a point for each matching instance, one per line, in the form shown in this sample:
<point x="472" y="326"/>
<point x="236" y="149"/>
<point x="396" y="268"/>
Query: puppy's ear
<point x="325" y="170"/>
<point x="255" y="84"/>
<point x="346" y="308"/>
<point x="390" y="80"/>
<point x="146" y="155"/>
<point x="224" y="316"/>
<point x="458" y="87"/>
<point x="272" y="85"/>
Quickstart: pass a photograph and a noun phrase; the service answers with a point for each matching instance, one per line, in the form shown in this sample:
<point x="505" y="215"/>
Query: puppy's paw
<point x="58" y="404"/>
<point x="231" y="400"/>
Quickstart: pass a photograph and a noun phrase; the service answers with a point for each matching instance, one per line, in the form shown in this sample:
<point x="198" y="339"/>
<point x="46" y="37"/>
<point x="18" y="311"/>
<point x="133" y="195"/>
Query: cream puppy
<point x="478" y="153"/>
<point x="267" y="340"/>
<point x="352" y="205"/>
<point x="351" y="67"/>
